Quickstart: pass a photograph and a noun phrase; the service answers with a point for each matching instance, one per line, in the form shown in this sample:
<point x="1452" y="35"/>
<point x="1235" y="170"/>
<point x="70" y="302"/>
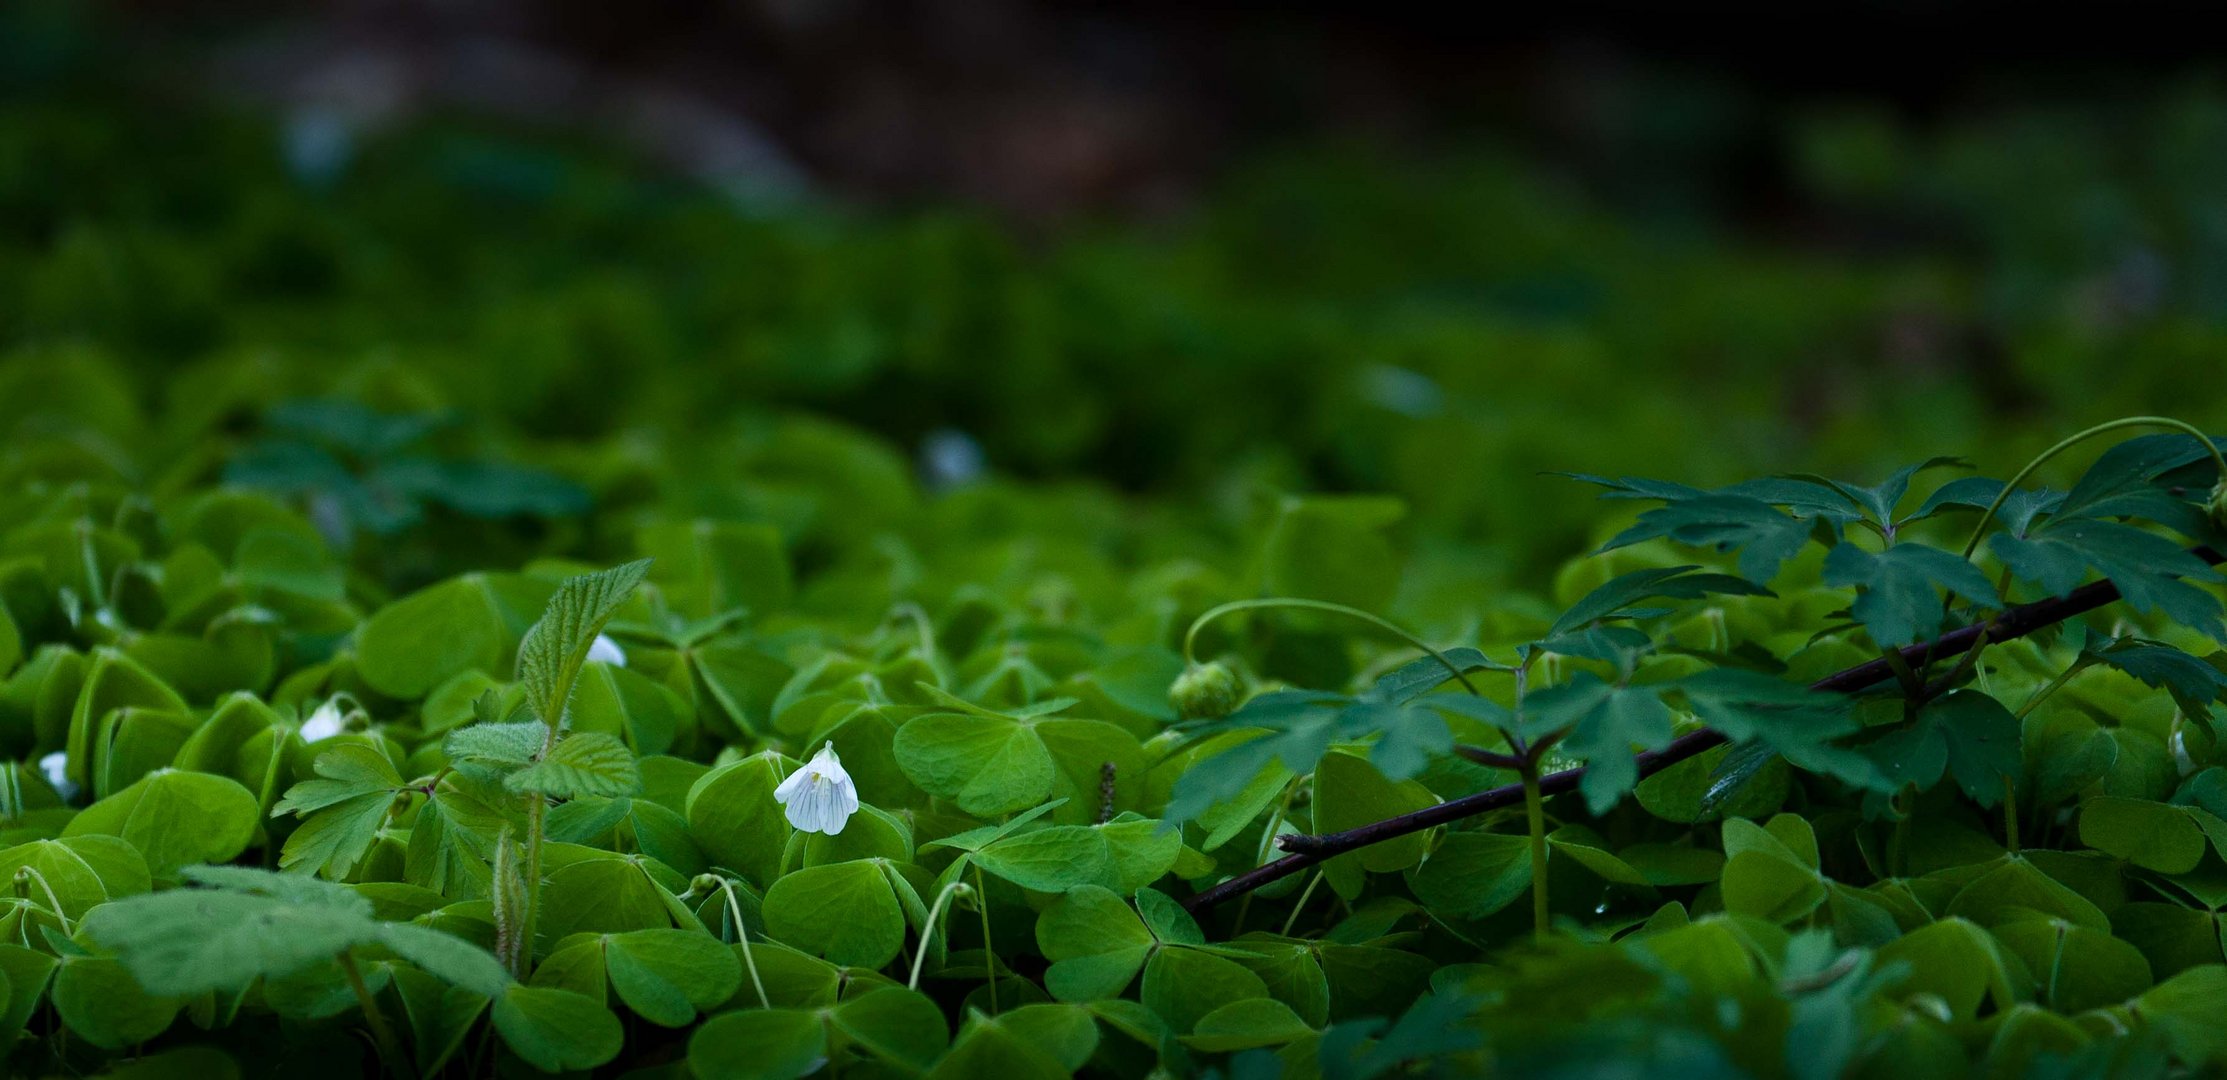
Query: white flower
<point x="326" y="722"/>
<point x="606" y="651"/>
<point x="820" y="797"/>
<point x="56" y="766"/>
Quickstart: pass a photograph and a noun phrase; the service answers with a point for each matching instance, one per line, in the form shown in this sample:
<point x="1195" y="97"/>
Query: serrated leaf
<point x="1798" y="723"/>
<point x="582" y="763"/>
<point x="550" y="656"/>
<point x="1615" y="599"/>
<point x="1897" y="590"/>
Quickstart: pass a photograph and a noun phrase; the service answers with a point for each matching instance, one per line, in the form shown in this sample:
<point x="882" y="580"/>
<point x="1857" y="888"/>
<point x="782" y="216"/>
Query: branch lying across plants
<point x="2011" y="623"/>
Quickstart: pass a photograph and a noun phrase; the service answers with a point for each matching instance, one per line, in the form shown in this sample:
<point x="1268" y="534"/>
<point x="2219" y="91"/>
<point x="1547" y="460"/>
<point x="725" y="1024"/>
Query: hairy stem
<point x="1190" y="637"/>
<point x="537" y="811"/>
<point x="2009" y="624"/>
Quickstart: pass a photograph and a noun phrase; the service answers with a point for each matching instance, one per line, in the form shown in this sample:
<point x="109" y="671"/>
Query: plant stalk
<point x="1534" y="812"/>
<point x="2007" y="625"/>
<point x="1190" y="637"/>
<point x="389" y="1049"/>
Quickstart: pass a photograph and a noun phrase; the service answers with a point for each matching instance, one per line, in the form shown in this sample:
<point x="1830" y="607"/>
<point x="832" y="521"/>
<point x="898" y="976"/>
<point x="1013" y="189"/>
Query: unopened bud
<point x="1206" y="692"/>
<point x="2215" y="507"/>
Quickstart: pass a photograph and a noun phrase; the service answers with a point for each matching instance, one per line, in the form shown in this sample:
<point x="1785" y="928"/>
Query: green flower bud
<point x="2215" y="507"/>
<point x="1206" y="692"/>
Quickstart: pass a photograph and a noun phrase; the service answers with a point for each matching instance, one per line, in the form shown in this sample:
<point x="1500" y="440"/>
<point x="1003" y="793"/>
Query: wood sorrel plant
<point x="1834" y="753"/>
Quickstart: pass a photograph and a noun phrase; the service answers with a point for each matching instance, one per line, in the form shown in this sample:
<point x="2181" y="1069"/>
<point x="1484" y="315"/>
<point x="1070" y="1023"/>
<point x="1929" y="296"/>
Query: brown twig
<point x="2012" y="623"/>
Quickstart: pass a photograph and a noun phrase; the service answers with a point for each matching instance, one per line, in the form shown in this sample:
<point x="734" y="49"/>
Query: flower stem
<point x="1304" y="895"/>
<point x="989" y="955"/>
<point x="389" y="1049"/>
<point x="742" y="935"/>
<point x="928" y="930"/>
<point x="1190" y="637"/>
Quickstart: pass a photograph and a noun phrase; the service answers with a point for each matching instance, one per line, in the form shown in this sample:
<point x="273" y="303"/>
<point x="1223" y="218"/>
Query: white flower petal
<point x="56" y="768"/>
<point x="606" y="651"/>
<point x="325" y="723"/>
<point x="819" y="797"/>
<point x="788" y="787"/>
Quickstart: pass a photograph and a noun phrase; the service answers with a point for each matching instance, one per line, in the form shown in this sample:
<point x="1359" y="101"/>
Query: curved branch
<point x="2012" y="623"/>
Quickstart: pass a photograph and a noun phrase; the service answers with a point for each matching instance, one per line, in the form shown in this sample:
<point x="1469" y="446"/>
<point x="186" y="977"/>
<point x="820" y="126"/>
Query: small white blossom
<point x="820" y="796"/>
<point x="56" y="766"/>
<point x="326" y="722"/>
<point x="606" y="651"/>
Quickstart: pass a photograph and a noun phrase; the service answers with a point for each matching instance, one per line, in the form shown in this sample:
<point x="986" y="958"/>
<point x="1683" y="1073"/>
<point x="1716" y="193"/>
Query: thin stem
<point x="389" y="1049"/>
<point x="2010" y="815"/>
<point x="928" y="930"/>
<point x="989" y="955"/>
<point x="1534" y="811"/>
<point x="1496" y="760"/>
<point x="2008" y="625"/>
<point x="1190" y="637"/>
<point x="2219" y="460"/>
<point x="742" y="935"/>
<point x="53" y="902"/>
<point x="1304" y="895"/>
<point x="2042" y="693"/>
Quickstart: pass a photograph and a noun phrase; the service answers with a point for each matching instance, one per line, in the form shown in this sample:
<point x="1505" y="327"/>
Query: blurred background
<point x="508" y="261"/>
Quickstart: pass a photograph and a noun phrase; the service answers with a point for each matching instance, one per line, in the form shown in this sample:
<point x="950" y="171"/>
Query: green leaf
<point x="1473" y="874"/>
<point x="498" y="747"/>
<point x="1793" y="720"/>
<point x="1605" y="723"/>
<point x="667" y="976"/>
<point x="1764" y="535"/>
<point x="550" y="655"/>
<point x="1619" y="597"/>
<point x="556" y="1030"/>
<point x="439" y="1016"/>
<point x="1008" y="1047"/>
<point x="846" y="912"/>
<point x="776" y="1044"/>
<point x="1332" y="548"/>
<point x="1897" y="590"/>
<point x="1095" y="943"/>
<point x="733" y="816"/>
<point x="83" y="872"/>
<point x="1185" y="985"/>
<point x="2150" y="835"/>
<point x="992" y="764"/>
<point x="415" y="644"/>
<point x="175" y="819"/>
<point x="1981" y="739"/>
<point x="343" y="813"/>
<point x="2151" y="572"/>
<point x="106" y="1006"/>
<point x="582" y="763"/>
<point x="1243" y="1025"/>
